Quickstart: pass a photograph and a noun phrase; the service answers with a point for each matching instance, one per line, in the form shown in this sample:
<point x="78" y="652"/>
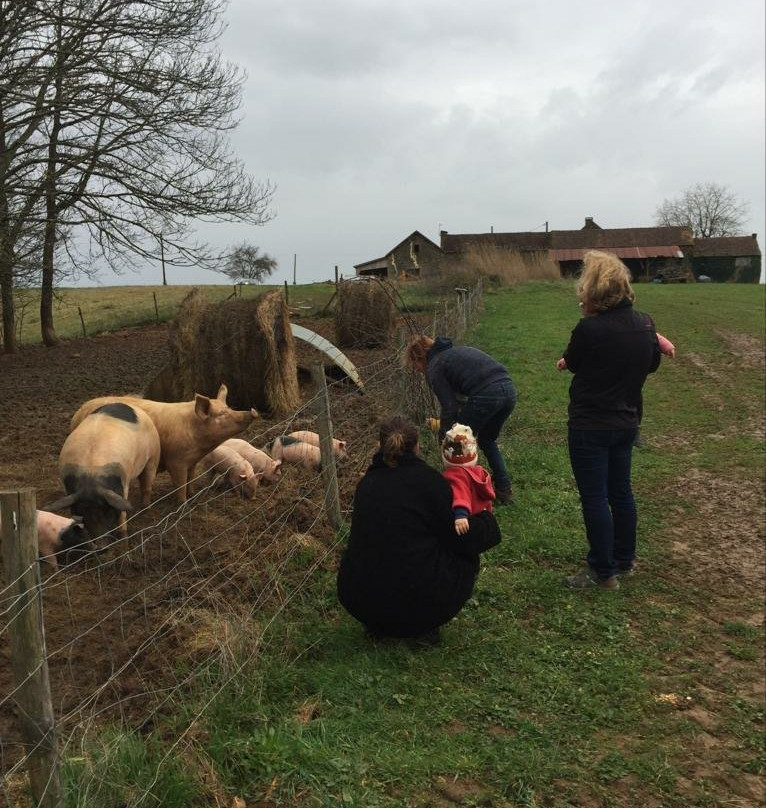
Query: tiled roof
<point x="595" y="239"/>
<point x="588" y="238"/>
<point x="726" y="246"/>
<point x="453" y="242"/>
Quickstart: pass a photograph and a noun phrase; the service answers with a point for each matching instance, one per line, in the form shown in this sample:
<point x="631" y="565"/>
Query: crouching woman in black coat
<point x="406" y="571"/>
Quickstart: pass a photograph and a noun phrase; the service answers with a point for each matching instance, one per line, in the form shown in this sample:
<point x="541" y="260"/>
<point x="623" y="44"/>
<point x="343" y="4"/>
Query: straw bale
<point x="247" y="344"/>
<point x="365" y="315"/>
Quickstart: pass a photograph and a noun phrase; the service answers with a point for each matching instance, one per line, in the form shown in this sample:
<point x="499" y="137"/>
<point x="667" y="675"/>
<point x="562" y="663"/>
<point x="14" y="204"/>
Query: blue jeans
<point x="486" y="413"/>
<point x="600" y="461"/>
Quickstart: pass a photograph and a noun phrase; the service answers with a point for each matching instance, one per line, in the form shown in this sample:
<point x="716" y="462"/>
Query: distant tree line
<point x="114" y="116"/>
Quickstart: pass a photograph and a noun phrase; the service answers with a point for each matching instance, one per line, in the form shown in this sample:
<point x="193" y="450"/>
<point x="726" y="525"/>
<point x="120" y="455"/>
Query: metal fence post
<point x="324" y="428"/>
<point x="27" y="640"/>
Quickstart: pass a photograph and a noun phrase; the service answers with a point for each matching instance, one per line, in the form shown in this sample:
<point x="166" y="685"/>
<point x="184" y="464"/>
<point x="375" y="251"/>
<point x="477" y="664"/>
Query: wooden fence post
<point x="324" y="427"/>
<point x="27" y="640"/>
<point x="156" y="309"/>
<point x="82" y="321"/>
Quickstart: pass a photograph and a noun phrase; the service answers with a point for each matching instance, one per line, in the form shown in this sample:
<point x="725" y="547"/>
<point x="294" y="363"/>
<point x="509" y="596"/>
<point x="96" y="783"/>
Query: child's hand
<point x="666" y="346"/>
<point x="461" y="526"/>
<point x="561" y="364"/>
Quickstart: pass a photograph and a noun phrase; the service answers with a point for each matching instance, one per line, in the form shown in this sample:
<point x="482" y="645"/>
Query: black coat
<point x="405" y="570"/>
<point x="611" y="355"/>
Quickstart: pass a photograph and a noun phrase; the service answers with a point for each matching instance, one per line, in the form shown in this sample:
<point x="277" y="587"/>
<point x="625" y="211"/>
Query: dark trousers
<point x="600" y="461"/>
<point x="486" y="413"/>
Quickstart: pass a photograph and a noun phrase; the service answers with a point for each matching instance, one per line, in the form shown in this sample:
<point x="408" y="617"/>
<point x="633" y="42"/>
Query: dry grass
<point x="247" y="344"/>
<point x="509" y="265"/>
<point x="365" y="315"/>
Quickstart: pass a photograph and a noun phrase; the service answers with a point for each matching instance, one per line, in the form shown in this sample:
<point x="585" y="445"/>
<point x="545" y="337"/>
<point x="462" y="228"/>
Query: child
<point x="472" y="490"/>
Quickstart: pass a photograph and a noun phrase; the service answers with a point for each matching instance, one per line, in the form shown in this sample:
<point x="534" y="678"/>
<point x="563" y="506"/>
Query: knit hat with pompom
<point x="459" y="447"/>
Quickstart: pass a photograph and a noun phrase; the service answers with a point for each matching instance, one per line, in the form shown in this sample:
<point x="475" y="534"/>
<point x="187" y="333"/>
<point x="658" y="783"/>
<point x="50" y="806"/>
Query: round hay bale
<point x="365" y="315"/>
<point x="247" y="344"/>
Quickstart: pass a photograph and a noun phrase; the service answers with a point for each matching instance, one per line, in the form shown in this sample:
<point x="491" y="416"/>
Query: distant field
<point x="110" y="308"/>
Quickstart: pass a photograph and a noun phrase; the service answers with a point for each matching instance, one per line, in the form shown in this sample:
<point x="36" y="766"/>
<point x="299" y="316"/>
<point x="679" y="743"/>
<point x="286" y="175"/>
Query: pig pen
<point x="99" y="612"/>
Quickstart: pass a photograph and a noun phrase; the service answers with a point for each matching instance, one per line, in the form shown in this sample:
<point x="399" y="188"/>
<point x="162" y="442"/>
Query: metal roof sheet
<point x="666" y="251"/>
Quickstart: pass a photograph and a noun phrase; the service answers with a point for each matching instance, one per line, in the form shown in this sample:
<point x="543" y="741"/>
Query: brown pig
<point x="296" y="452"/>
<point x="338" y="446"/>
<point x="109" y="448"/>
<point x="188" y="430"/>
<point x="232" y="470"/>
<point x="59" y="534"/>
<point x="259" y="460"/>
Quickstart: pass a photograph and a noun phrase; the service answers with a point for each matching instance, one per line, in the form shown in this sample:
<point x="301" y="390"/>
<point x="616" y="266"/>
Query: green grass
<point x="539" y="696"/>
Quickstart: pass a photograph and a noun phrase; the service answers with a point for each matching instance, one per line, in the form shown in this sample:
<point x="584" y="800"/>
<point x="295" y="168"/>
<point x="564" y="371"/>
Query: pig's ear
<point x="115" y="500"/>
<point x="342" y="444"/>
<point x="277" y="464"/>
<point x="223" y="391"/>
<point x="242" y="476"/>
<point x="201" y="406"/>
<point x="258" y="475"/>
<point x="60" y="504"/>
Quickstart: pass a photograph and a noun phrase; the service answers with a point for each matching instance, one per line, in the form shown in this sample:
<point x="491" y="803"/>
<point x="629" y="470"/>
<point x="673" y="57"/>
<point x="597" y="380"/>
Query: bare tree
<point x="247" y="263"/>
<point x="707" y="209"/>
<point x="131" y="141"/>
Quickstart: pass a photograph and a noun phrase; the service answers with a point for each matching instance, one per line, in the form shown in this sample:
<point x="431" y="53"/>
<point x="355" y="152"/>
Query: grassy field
<point x="538" y="696"/>
<point x="87" y="311"/>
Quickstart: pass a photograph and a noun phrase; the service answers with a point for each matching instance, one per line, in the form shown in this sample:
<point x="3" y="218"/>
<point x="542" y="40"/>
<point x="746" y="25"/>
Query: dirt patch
<point x="747" y="350"/>
<point x="718" y="557"/>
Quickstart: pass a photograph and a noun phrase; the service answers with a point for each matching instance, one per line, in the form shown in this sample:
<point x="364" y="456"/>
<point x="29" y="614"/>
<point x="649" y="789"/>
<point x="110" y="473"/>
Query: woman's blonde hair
<point x="416" y="352"/>
<point x="397" y="436"/>
<point x="604" y="282"/>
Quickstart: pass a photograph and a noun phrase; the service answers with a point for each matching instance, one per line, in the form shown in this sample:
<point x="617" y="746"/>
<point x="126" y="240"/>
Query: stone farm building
<point x="668" y="252"/>
<point x="407" y="259"/>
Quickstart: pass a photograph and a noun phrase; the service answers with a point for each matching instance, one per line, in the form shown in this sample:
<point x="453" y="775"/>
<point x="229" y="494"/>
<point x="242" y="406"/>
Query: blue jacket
<point x="457" y="373"/>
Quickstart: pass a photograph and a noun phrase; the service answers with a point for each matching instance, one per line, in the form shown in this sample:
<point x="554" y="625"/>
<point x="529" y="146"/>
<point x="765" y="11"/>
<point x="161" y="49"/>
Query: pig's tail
<point x="398" y="435"/>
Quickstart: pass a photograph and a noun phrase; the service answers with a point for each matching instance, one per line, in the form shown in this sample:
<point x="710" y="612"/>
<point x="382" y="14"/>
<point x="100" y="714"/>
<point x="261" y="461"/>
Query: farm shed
<point x="414" y="256"/>
<point x="645" y="250"/>
<point x="728" y="258"/>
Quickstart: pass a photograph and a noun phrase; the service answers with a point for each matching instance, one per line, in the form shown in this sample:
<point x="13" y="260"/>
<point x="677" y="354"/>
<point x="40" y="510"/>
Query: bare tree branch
<point x="707" y="209"/>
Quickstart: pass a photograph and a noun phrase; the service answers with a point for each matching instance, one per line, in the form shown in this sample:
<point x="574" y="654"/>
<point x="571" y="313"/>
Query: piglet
<point x="338" y="446"/>
<point x="59" y="534"/>
<point x="296" y="452"/>
<point x="232" y="471"/>
<point x="259" y="460"/>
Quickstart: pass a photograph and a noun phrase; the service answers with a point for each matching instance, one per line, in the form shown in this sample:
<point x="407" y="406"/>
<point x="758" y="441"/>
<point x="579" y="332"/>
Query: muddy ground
<point x="126" y="617"/>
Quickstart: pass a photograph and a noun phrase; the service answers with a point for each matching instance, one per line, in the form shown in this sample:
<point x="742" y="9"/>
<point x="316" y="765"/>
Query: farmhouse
<point x="408" y="258"/>
<point x="649" y="252"/>
<point x="645" y="250"/>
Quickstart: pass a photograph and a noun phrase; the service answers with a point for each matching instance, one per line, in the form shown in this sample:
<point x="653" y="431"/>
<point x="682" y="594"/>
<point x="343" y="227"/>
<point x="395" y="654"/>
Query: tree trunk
<point x="6" y="290"/>
<point x="47" y="331"/>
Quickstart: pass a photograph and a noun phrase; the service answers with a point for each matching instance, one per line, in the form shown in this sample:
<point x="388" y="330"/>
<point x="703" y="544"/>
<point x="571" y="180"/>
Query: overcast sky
<point x="375" y="118"/>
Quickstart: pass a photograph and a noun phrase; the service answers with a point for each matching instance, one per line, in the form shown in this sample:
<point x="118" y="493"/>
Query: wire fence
<point x="189" y="589"/>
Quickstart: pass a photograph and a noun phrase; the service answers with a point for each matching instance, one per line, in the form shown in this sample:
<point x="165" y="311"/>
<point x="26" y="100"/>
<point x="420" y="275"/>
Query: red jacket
<point x="471" y="488"/>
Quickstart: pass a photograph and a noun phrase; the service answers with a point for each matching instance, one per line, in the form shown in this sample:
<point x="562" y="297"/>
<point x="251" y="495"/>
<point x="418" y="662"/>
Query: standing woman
<point x="472" y="388"/>
<point x="611" y="351"/>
